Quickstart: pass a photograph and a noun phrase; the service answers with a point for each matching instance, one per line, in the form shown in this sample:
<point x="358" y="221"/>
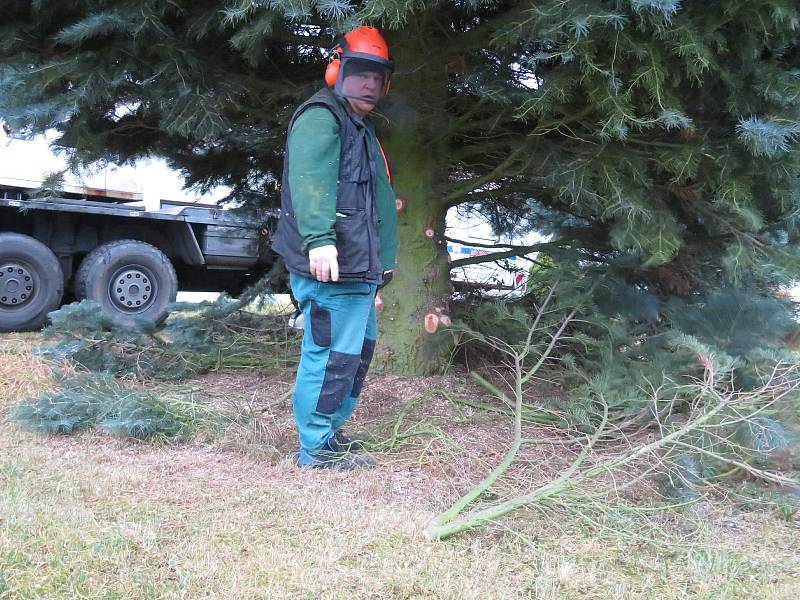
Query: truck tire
<point x="31" y="282"/>
<point x="132" y="281"/>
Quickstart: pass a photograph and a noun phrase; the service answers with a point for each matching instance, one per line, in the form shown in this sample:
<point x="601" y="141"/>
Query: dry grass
<point x="96" y="517"/>
<point x="21" y="374"/>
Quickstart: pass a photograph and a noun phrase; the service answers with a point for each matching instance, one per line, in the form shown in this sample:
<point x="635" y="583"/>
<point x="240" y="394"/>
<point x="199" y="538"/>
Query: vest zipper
<point x="370" y="216"/>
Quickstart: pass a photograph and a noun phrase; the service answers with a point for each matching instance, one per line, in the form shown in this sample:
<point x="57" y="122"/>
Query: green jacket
<point x="314" y="146"/>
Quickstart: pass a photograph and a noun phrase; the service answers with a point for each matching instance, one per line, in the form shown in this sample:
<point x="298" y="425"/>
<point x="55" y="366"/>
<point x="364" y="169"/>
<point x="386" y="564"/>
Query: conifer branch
<point x="501" y="170"/>
<point x="514" y="251"/>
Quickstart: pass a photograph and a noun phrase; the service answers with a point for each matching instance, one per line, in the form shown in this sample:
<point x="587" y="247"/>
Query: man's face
<point x="363" y="90"/>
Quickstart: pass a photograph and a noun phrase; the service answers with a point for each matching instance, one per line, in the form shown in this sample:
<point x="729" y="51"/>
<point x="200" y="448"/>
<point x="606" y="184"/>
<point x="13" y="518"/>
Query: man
<point x="338" y="236"/>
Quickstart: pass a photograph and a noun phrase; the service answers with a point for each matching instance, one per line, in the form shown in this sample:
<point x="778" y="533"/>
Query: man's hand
<point x="322" y="263"/>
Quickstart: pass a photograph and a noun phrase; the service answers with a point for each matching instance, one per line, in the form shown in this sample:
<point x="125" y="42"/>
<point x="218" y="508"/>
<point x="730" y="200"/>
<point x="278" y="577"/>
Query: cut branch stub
<point x="431" y="322"/>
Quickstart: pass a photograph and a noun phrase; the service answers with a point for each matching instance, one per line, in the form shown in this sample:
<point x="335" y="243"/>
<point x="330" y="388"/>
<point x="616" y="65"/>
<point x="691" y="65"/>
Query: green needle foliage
<point x="655" y="141"/>
<point x="630" y="347"/>
<point x="65" y="411"/>
<point x="98" y="400"/>
<point x="197" y="338"/>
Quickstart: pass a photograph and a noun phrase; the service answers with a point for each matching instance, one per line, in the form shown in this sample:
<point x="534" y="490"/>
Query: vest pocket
<point x="353" y="194"/>
<point x="352" y="241"/>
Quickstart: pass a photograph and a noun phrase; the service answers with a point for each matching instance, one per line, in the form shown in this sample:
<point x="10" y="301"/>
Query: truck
<point x="105" y="245"/>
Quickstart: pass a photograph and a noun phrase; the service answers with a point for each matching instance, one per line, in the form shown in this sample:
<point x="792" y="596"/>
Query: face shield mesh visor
<point x="364" y="79"/>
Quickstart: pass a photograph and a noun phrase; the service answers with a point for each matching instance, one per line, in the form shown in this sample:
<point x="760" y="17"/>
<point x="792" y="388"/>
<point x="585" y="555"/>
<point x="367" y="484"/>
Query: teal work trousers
<point x="338" y="343"/>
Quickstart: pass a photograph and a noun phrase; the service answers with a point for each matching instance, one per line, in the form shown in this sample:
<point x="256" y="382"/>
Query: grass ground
<point x="91" y="516"/>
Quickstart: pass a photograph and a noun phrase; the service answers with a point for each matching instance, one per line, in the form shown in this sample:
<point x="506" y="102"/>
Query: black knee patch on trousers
<point x="320" y="325"/>
<point x="339" y="374"/>
<point x="367" y="350"/>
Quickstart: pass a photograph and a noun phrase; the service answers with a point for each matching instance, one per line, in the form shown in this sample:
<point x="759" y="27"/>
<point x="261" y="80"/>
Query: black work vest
<point x="356" y="226"/>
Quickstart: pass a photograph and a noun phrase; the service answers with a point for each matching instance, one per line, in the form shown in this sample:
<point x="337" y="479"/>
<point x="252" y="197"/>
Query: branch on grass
<point x="440" y="526"/>
<point x="713" y="397"/>
<point x="531" y="415"/>
<point x="446" y="525"/>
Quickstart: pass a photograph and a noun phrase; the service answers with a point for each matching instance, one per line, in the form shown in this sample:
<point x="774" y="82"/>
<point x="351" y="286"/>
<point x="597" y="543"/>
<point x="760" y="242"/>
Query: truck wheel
<point x="130" y="280"/>
<point x="31" y="282"/>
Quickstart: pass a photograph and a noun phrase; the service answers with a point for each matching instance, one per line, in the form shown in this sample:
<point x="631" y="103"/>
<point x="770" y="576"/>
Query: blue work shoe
<point x="341" y="443"/>
<point x="328" y="458"/>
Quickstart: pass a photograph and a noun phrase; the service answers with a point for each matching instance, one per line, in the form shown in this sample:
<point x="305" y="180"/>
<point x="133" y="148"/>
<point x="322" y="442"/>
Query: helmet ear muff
<point x="332" y="70"/>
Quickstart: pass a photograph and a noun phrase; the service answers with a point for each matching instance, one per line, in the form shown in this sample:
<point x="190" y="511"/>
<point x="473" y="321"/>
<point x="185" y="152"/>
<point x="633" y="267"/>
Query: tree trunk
<point x="421" y="286"/>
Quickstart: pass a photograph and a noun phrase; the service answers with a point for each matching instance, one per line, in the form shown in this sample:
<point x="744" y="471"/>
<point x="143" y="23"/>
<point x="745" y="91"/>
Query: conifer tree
<point x="654" y="140"/>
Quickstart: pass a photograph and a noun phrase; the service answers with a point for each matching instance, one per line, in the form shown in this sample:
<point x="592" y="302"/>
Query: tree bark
<point x="421" y="285"/>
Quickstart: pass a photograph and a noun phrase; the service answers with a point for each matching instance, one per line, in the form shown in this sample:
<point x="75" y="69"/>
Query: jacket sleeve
<point x="314" y="147"/>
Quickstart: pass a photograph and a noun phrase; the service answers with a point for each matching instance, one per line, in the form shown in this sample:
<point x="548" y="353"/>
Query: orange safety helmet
<point x="365" y="43"/>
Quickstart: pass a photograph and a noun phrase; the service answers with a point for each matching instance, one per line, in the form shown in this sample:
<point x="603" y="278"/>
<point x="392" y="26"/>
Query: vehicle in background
<point x="506" y="276"/>
<point x="469" y="235"/>
<point x="108" y="234"/>
<point x="105" y="245"/>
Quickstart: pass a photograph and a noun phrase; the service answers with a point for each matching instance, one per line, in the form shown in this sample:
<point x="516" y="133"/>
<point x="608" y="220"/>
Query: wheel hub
<point x="131" y="289"/>
<point x="16" y="284"/>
